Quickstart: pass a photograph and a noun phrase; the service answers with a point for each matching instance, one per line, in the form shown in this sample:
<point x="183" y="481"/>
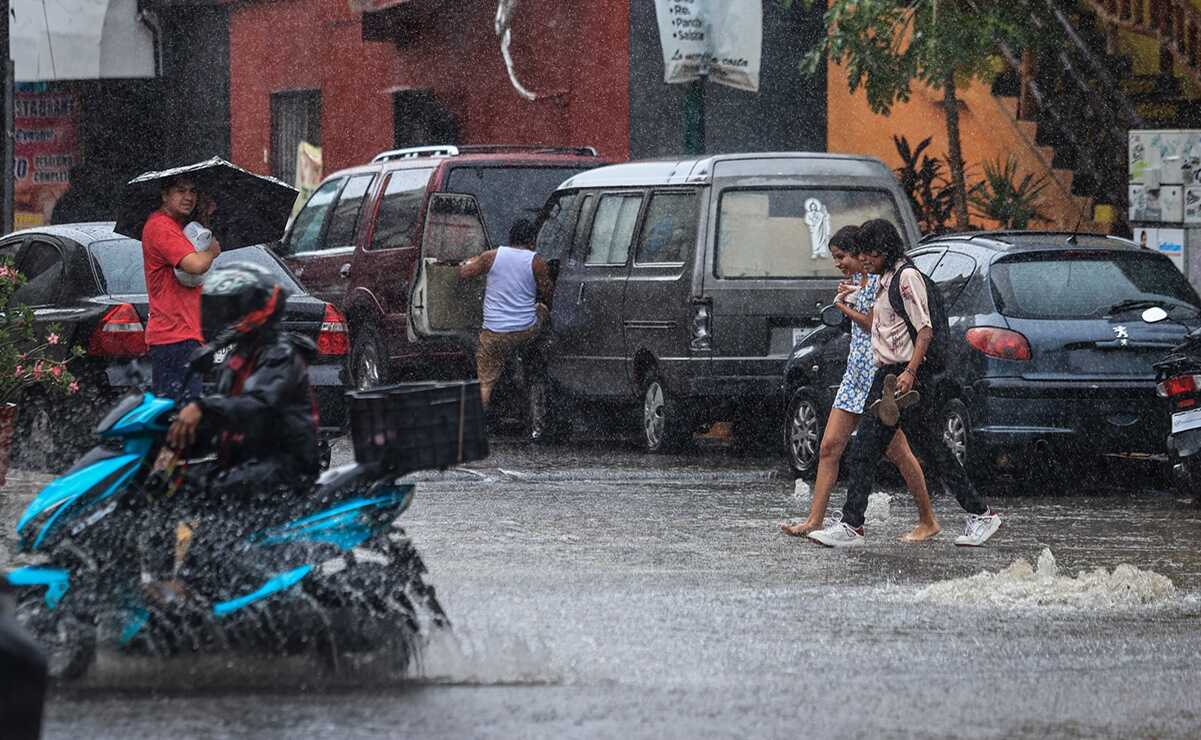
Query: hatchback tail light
<point x="120" y="334"/>
<point x="1003" y="344"/>
<point x="334" y="338"/>
<point x="702" y="327"/>
<point x="1180" y="385"/>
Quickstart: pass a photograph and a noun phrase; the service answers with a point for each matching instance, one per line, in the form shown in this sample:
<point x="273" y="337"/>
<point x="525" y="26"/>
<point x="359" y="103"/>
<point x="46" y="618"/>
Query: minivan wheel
<point x="803" y="433"/>
<point x="369" y="360"/>
<point x="664" y="428"/>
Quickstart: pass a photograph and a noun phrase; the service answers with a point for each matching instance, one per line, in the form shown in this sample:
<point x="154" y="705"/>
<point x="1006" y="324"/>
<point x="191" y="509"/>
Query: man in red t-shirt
<point x="173" y="330"/>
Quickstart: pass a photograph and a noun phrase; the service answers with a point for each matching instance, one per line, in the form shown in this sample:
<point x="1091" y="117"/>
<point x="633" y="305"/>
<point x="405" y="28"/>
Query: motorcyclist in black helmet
<point x="263" y="415"/>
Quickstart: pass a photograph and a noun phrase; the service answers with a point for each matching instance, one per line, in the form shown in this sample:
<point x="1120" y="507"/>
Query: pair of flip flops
<point x="889" y="406"/>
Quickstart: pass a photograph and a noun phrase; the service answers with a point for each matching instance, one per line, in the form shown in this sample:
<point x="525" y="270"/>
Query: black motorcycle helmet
<point x="239" y="301"/>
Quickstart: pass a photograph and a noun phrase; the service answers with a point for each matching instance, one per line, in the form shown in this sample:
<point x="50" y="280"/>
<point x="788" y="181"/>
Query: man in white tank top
<point x="516" y="309"/>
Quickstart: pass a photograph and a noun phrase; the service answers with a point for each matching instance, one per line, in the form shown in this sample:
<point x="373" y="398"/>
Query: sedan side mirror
<point x="831" y="316"/>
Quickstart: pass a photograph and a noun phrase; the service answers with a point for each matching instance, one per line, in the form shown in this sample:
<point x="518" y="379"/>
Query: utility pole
<point x="7" y="183"/>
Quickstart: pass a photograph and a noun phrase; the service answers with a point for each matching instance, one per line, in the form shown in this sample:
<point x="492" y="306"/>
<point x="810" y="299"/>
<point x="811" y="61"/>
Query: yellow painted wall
<point x="988" y="132"/>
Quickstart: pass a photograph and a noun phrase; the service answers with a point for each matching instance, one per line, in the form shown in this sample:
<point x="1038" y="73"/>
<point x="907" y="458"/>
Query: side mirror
<point x="831" y="316"/>
<point x="1154" y="315"/>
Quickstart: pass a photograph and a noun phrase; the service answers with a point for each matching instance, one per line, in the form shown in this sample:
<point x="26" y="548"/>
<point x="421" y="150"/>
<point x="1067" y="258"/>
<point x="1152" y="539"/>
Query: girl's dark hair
<point x="879" y="235"/>
<point x="845" y="238"/>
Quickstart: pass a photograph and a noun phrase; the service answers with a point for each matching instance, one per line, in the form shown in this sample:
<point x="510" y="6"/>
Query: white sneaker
<point x="837" y="534"/>
<point x="978" y="528"/>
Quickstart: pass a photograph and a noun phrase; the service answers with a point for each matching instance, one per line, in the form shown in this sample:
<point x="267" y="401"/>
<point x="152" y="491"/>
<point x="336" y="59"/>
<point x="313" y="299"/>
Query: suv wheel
<point x="664" y="426"/>
<point x="369" y="360"/>
<point x="803" y="433"/>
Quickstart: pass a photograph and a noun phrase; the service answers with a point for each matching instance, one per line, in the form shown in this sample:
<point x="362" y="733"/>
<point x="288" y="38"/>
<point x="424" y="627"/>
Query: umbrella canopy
<point x="251" y="209"/>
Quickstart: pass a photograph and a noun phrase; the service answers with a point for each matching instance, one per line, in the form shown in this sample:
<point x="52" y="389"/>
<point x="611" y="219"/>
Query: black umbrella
<point x="251" y="209"/>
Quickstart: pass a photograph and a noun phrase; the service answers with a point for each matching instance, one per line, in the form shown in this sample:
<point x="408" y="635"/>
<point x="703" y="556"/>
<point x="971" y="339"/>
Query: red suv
<point x="373" y="239"/>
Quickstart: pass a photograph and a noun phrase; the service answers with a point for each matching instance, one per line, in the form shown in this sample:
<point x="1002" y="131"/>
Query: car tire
<point x="665" y="426"/>
<point x="803" y="428"/>
<point x="368" y="359"/>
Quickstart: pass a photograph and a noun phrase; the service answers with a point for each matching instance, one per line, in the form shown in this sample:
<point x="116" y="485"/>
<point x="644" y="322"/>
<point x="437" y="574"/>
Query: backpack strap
<point x="898" y="304"/>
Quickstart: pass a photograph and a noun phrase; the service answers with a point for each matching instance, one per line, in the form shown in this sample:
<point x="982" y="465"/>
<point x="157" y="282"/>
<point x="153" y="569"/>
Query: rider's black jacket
<point x="264" y="408"/>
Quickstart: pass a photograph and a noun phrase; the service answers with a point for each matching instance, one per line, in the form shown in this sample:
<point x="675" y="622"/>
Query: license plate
<point x="1182" y="421"/>
<point x="220" y="355"/>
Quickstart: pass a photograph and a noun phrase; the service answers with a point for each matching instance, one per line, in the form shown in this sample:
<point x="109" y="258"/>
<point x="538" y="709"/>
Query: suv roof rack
<point x="450" y="150"/>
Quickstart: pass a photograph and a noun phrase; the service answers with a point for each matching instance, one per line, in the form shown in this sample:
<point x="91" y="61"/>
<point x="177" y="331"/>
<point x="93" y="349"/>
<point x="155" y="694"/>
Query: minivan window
<point x="668" y="230"/>
<point x="1067" y="285"/>
<point x="306" y="229"/>
<point x="554" y="234"/>
<point x="772" y="232"/>
<point x="400" y="209"/>
<point x="345" y="218"/>
<point x="612" y="228"/>
<point x="508" y="193"/>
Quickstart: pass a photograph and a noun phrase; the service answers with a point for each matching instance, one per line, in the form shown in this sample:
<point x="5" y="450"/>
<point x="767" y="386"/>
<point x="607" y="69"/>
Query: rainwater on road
<point x="597" y="593"/>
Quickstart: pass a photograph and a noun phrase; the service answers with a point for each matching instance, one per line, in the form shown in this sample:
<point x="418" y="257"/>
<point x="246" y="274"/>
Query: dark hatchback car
<point x="1049" y="364"/>
<point x="90" y="281"/>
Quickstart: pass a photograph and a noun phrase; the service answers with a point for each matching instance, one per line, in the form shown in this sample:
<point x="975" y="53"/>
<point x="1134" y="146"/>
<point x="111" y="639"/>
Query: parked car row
<point x="688" y="291"/>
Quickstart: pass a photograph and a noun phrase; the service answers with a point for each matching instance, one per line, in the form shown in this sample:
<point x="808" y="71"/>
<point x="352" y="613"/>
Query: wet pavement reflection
<point x="599" y="592"/>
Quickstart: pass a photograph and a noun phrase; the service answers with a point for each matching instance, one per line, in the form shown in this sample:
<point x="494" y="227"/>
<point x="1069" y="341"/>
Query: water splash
<point x="879" y="508"/>
<point x="1021" y="585"/>
<point x="459" y="657"/>
<point x="802" y="494"/>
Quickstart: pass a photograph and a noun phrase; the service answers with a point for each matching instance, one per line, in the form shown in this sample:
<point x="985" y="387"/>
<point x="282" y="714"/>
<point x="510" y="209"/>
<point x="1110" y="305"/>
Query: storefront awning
<point x="80" y="40"/>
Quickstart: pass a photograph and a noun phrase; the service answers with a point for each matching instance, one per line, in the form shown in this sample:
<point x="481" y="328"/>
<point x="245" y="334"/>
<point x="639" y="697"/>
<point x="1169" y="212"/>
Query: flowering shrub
<point x="28" y="358"/>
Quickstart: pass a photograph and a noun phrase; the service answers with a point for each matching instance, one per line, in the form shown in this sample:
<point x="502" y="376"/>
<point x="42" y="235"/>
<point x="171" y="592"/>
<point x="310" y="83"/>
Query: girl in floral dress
<point x="855" y="298"/>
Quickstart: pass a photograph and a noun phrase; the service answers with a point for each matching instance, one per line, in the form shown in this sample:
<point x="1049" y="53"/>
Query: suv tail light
<point x="1180" y="385"/>
<point x="702" y="327"/>
<point x="120" y="334"/>
<point x="334" y="338"/>
<point x="1002" y="344"/>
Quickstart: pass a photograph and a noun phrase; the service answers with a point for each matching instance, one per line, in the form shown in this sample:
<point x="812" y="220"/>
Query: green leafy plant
<point x="28" y="358"/>
<point x="887" y="45"/>
<point x="923" y="180"/>
<point x="1007" y="196"/>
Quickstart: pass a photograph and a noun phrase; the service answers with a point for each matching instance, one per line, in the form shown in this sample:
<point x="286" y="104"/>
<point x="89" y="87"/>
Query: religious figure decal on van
<point x="818" y="220"/>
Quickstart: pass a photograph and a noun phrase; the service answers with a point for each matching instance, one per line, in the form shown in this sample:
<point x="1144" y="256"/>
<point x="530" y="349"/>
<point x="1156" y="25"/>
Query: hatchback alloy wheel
<point x="367" y="371"/>
<point x="954" y="433"/>
<point x="804" y="434"/>
<point x="653" y="422"/>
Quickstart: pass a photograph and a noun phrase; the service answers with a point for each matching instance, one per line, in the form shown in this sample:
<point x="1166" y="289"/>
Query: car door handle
<point x="345" y="271"/>
<point x="579" y="296"/>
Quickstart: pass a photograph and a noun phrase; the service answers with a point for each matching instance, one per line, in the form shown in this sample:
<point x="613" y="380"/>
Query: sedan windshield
<point x="1078" y="285"/>
<point x="119" y="265"/>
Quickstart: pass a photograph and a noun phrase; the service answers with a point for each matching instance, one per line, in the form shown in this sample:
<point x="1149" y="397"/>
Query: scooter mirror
<point x="1154" y="315"/>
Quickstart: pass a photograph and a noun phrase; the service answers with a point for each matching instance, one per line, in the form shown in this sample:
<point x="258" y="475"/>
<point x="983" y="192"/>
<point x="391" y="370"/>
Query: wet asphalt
<point x="599" y="592"/>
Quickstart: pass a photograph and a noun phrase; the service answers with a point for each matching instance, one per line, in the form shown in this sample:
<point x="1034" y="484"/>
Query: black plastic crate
<point x="419" y="426"/>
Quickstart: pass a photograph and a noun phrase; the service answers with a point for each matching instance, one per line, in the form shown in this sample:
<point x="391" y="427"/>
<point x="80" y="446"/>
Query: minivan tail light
<point x="120" y="334"/>
<point x="1003" y="344"/>
<point x="1178" y="386"/>
<point x="334" y="338"/>
<point x="702" y="327"/>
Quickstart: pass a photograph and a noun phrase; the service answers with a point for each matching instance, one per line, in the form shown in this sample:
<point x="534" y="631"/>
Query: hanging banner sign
<point x="720" y="39"/>
<point x="45" y="148"/>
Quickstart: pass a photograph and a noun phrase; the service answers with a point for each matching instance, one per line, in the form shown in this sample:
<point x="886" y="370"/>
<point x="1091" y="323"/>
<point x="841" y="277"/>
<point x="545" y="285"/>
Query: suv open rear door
<point x="441" y="304"/>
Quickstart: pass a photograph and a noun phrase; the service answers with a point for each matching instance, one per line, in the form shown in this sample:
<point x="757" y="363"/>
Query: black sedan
<point x="1049" y="363"/>
<point x="90" y="280"/>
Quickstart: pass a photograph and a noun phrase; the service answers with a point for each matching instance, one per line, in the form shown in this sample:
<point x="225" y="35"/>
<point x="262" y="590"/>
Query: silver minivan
<point x="682" y="285"/>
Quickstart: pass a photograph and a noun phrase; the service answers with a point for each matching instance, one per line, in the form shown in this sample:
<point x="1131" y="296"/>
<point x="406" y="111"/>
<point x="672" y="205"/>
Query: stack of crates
<point x="419" y="426"/>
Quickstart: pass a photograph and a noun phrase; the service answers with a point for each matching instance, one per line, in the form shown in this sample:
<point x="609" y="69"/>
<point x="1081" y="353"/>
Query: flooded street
<point x="597" y="594"/>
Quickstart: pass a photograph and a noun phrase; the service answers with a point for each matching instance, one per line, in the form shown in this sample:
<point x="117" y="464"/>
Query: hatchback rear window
<point x="119" y="265"/>
<point x="782" y="232"/>
<point x="508" y="193"/>
<point x="1066" y="285"/>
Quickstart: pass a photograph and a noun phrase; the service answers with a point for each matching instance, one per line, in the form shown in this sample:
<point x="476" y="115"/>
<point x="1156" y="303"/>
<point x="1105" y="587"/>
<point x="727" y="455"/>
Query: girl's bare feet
<point x="799" y="529"/>
<point x="922" y="532"/>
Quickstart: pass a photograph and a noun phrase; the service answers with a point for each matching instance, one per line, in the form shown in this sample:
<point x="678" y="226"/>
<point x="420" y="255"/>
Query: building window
<point x="419" y="119"/>
<point x="295" y="117"/>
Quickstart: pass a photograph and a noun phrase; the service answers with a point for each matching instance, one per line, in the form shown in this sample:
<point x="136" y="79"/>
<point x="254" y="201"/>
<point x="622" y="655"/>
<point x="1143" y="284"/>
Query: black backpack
<point x="936" y="354"/>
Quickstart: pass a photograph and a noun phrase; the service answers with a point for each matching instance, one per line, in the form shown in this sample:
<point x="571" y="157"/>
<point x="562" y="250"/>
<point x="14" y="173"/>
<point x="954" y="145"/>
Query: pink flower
<point x="57" y="371"/>
<point x="52" y="339"/>
<point x="74" y="387"/>
<point x="19" y="371"/>
<point x="37" y="370"/>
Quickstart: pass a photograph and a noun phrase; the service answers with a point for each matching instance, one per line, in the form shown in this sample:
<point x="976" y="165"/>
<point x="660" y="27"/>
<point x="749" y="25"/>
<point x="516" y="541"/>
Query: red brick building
<point x="431" y="71"/>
